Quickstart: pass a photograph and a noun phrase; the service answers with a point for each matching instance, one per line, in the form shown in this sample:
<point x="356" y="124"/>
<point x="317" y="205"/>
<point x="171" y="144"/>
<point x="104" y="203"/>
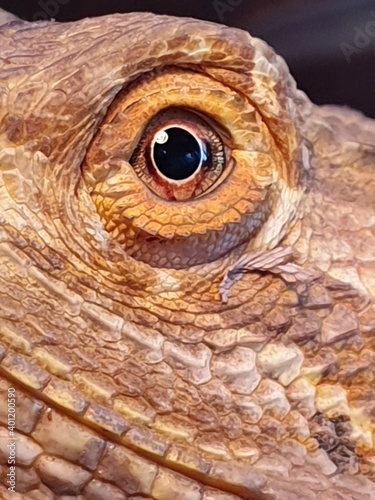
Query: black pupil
<point x="179" y="156"/>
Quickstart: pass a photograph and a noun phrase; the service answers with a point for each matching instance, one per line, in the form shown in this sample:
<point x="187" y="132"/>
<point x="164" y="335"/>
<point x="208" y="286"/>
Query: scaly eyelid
<point x="239" y="203"/>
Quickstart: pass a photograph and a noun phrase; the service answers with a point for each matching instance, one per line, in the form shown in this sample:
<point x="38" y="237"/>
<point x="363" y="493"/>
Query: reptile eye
<point x="183" y="169"/>
<point x="180" y="156"/>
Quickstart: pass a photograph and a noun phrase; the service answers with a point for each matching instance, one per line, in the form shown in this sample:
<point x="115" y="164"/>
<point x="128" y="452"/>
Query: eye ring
<point x="216" y="217"/>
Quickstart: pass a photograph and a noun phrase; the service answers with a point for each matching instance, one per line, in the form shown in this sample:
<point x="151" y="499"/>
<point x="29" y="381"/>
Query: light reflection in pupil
<point x="177" y="154"/>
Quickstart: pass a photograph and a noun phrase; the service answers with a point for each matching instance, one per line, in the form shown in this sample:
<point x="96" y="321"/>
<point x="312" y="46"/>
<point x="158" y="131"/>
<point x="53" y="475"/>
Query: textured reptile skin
<point x="209" y="349"/>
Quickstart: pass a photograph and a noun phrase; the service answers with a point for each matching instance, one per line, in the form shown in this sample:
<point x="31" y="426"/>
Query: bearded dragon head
<point x="187" y="268"/>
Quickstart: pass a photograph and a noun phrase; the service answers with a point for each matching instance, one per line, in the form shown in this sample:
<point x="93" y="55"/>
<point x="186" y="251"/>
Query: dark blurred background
<point x="328" y="44"/>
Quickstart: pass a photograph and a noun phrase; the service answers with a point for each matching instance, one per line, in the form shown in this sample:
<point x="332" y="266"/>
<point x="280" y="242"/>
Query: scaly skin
<point x="144" y="365"/>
